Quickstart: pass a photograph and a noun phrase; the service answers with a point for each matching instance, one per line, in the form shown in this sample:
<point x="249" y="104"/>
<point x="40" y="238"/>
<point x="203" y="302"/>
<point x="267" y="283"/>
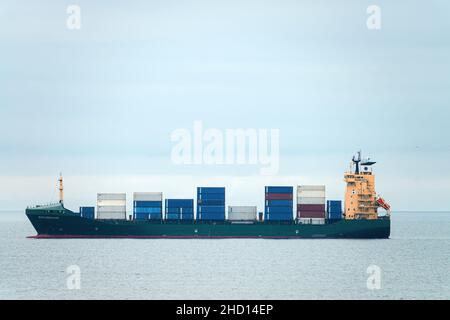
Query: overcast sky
<point x="100" y="103"/>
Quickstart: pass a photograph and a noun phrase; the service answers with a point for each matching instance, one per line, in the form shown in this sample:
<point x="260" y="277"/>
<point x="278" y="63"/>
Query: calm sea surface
<point x="414" y="264"/>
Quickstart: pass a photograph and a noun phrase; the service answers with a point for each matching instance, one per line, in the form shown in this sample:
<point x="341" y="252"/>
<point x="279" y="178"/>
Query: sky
<point x="100" y="104"/>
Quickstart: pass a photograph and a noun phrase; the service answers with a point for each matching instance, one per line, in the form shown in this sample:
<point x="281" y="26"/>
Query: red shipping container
<point x="311" y="207"/>
<point x="278" y="196"/>
<point x="311" y="214"/>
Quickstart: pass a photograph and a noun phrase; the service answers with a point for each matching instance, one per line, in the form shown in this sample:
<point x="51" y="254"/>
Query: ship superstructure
<point x="361" y="200"/>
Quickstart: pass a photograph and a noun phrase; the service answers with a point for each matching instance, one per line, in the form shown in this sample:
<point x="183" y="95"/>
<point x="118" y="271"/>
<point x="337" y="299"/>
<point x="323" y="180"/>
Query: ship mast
<point x="61" y="189"/>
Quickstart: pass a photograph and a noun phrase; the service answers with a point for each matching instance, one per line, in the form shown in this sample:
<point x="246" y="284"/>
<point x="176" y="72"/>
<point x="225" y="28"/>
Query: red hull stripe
<point x="45" y="236"/>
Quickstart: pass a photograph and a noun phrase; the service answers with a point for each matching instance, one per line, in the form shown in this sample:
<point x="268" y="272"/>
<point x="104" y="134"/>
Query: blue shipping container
<point x="87" y="212"/>
<point x="147" y="210"/>
<point x="146" y="204"/>
<point x="334" y="205"/>
<point x="279" y="203"/>
<point x="155" y="216"/>
<point x="180" y="203"/>
<point x="277" y="217"/>
<point x="211" y="216"/>
<point x="141" y="216"/>
<point x="272" y="189"/>
<point x="179" y="210"/>
<point x="335" y="215"/>
<point x="276" y="210"/>
<point x="334" y="209"/>
<point x="211" y="202"/>
<point x="205" y="190"/>
<point x="211" y="209"/>
<point x="211" y="196"/>
<point x="174" y="216"/>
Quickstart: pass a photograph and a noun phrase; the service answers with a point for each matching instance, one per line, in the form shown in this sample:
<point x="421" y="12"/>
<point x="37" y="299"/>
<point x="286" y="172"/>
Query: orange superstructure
<point x="361" y="200"/>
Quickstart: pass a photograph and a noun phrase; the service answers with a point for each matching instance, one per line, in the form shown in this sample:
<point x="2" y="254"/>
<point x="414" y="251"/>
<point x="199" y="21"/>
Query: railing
<point x="43" y="205"/>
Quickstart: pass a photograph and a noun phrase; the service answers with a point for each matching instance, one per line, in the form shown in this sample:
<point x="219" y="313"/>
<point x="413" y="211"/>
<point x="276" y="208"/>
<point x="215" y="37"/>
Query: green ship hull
<point x="58" y="222"/>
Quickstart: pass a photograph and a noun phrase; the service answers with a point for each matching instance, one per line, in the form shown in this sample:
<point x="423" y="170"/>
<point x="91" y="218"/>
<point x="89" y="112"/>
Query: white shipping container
<point x="111" y="196"/>
<point x="311" y="200"/>
<point x="242" y="216"/>
<point x="311" y="193"/>
<point x="111" y="209"/>
<point x="111" y="215"/>
<point x="147" y="196"/>
<point x="105" y="203"/>
<point x="311" y="188"/>
<point x="311" y="221"/>
<point x="242" y="209"/>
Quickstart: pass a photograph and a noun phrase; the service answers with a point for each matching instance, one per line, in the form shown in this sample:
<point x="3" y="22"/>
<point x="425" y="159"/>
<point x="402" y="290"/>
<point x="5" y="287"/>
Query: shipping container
<point x="279" y="203"/>
<point x="311" y="194"/>
<point x="335" y="215"/>
<point x="147" y="210"/>
<point x="177" y="216"/>
<point x="111" y="215"/>
<point x="242" y="213"/>
<point x="274" y="189"/>
<point x="111" y="209"/>
<point x="107" y="203"/>
<point x="211" y="202"/>
<point x="210" y="216"/>
<point x="311" y="187"/>
<point x="145" y="204"/>
<point x="179" y="210"/>
<point x="155" y="216"/>
<point x="87" y="212"/>
<point x="278" y="196"/>
<point x="180" y="203"/>
<point x="311" y="207"/>
<point x="141" y="216"/>
<point x="279" y="210"/>
<point x="311" y="214"/>
<point x="334" y="209"/>
<point x="260" y="216"/>
<point x="147" y="196"/>
<point x="306" y="200"/>
<point x="210" y="190"/>
<point x="277" y="217"/>
<point x="111" y="206"/>
<point x="242" y="216"/>
<point x="311" y="221"/>
<point x="173" y="216"/>
<point x="111" y="196"/>
<point x="242" y="209"/>
<point x="211" y="209"/>
<point x="211" y="196"/>
<point x="334" y="205"/>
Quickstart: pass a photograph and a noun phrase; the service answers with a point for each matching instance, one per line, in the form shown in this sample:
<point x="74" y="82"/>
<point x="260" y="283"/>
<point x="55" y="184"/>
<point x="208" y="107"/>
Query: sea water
<point x="413" y="264"/>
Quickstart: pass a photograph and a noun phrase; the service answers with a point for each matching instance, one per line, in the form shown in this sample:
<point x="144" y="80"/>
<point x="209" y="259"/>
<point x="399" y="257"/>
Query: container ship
<point x="315" y="216"/>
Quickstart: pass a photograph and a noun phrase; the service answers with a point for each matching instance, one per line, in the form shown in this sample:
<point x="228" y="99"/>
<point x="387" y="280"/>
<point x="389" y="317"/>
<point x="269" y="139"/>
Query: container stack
<point x="87" y="212"/>
<point x="210" y="203"/>
<point x="279" y="204"/>
<point x="179" y="209"/>
<point x="111" y="206"/>
<point x="147" y="205"/>
<point x="311" y="204"/>
<point x="242" y="213"/>
<point x="334" y="209"/>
